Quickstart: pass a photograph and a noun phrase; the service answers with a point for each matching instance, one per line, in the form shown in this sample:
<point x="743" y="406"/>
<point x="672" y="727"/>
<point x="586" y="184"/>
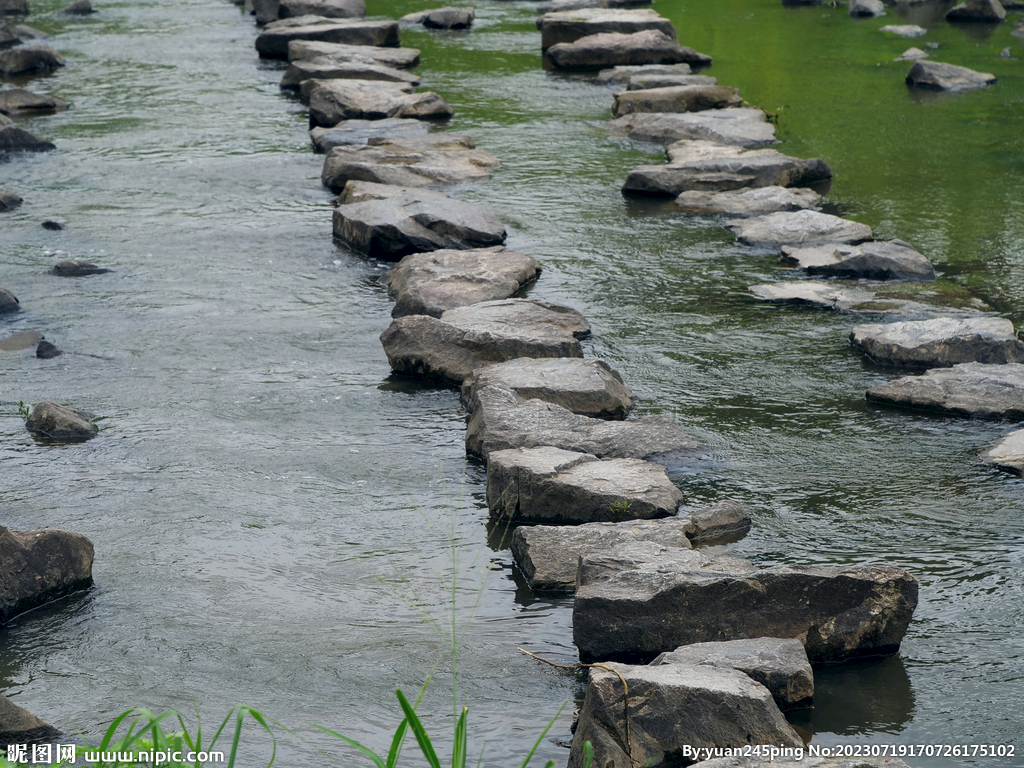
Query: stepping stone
<point x="973" y="390"/>
<point x="442" y="18"/>
<point x="77" y="269"/>
<point x="58" y="422"/>
<point x="362" y="191"/>
<point x="501" y="420"/>
<point x="883" y="260"/>
<point x="325" y="68"/>
<point x="359" y="132"/>
<point x="78" y="8"/>
<point x="941" y="342"/>
<point x="639" y="600"/>
<point x="852" y="297"/>
<point x="414" y="222"/>
<point x="648" y="82"/>
<point x="937" y="76"/>
<point x="911" y="54"/>
<point x="14" y="100"/>
<point x="613" y="49"/>
<point x="331" y="101"/>
<point x="778" y="664"/>
<point x="866" y="8"/>
<point x="622" y="75"/>
<point x="570" y="26"/>
<point x="32" y="59"/>
<point x="328" y="9"/>
<point x="399" y="58"/>
<point x="431" y="283"/>
<point x="13" y="7"/>
<point x="576" y="5"/>
<point x="797" y="228"/>
<point x="1008" y="453"/>
<point x="672" y="711"/>
<point x="273" y="41"/>
<point x="905" y="30"/>
<point x="588" y="387"/>
<point x="749" y="202"/>
<point x="398" y="165"/>
<point x="685" y="98"/>
<point x="19" y="726"/>
<point x="559" y="487"/>
<point x="548" y="555"/>
<point x="736" y="127"/>
<point x="39" y="567"/>
<point x="14" y="139"/>
<point x="981" y="11"/>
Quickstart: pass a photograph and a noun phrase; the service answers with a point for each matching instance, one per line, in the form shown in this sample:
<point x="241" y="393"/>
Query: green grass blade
<point x="418" y="731"/>
<point x="403" y="728"/>
<point x="459" y="748"/>
<point x="352" y="743"/>
<point x="543" y="733"/>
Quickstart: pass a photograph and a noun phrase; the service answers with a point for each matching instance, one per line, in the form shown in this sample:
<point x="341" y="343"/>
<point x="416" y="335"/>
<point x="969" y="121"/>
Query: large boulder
<point x="936" y="76"/>
<point x="756" y="201"/>
<point x="30" y="60"/>
<point x="612" y="49"/>
<point x="881" y="260"/>
<point x="273" y="41"/>
<point x="558" y="487"/>
<point x="797" y="228"/>
<point x="399" y="58"/>
<point x="683" y="98"/>
<point x="671" y="712"/>
<point x="19" y="726"/>
<point x="974" y="390"/>
<point x="442" y="18"/>
<point x="1007" y="453"/>
<point x="331" y="101"/>
<point x="639" y="600"/>
<point x="59" y="422"/>
<point x="328" y="9"/>
<point x="359" y="132"/>
<point x="940" y="343"/>
<point x="37" y="567"/>
<point x="738" y="127"/>
<point x="430" y="283"/>
<point x="413" y="222"/>
<point x="14" y="100"/>
<point x="570" y="26"/>
<point x="449" y="348"/>
<point x="398" y="165"/>
<point x="14" y="139"/>
<point x="326" y="68"/>
<point x="984" y="11"/>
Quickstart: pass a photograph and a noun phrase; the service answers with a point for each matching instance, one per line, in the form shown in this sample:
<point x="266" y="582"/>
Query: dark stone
<point x="328" y="9"/>
<point x="936" y="76"/>
<point x="8" y="302"/>
<point x="45" y="350"/>
<point x="54" y="226"/>
<point x="612" y="49"/>
<point x="358" y="132"/>
<point x="13" y="100"/>
<point x="29" y="60"/>
<point x="737" y="127"/>
<point x="58" y="422"/>
<point x="266" y="11"/>
<point x="940" y="343"/>
<point x="443" y="18"/>
<point x="78" y="8"/>
<point x="882" y="260"/>
<point x="8" y="200"/>
<point x="974" y="390"/>
<point x="984" y="11"/>
<point x="273" y="42"/>
<point x="331" y="101"/>
<point x="14" y="7"/>
<point x="76" y="269"/>
<point x="37" y="567"/>
<point x="19" y="726"/>
<point x="14" y="139"/>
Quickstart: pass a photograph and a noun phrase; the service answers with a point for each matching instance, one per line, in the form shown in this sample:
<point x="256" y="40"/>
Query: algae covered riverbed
<point x="261" y="487"/>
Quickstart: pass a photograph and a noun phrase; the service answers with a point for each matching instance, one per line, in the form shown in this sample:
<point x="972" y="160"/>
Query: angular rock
<point x="588" y="387"/>
<point x="883" y="260"/>
<point x="328" y="9"/>
<point x="721" y="523"/>
<point x="273" y="41"/>
<point x="612" y="49"/>
<point x="76" y="269"/>
<point x="37" y="567"/>
<point x="58" y="422"/>
<point x="395" y="164"/>
<point x="358" y="132"/>
<point x="414" y="222"/>
<point x="735" y="127"/>
<point x="1008" y="453"/>
<point x="575" y="5"/>
<point x="325" y="68"/>
<point x="46" y="351"/>
<point x="940" y="343"/>
<point x="443" y="18"/>
<point x="14" y="100"/>
<point x="685" y="98"/>
<point x="749" y="202"/>
<point x="501" y="420"/>
<point x="431" y="283"/>
<point x="362" y="191"/>
<point x="641" y="600"/>
<point x="911" y="54"/>
<point x="31" y="59"/>
<point x="674" y="710"/>
<point x="399" y="58"/>
<point x="866" y="8"/>
<point x="648" y="82"/>
<point x="905" y="30"/>
<point x="14" y="139"/>
<point x="936" y="76"/>
<point x="559" y="487"/>
<point x="984" y="11"/>
<point x="622" y="75"/>
<point x="8" y="202"/>
<point x="797" y="228"/>
<point x="973" y="390"/>
<point x="570" y="26"/>
<point x="8" y="302"/>
<point x="19" y="726"/>
<point x="331" y="101"/>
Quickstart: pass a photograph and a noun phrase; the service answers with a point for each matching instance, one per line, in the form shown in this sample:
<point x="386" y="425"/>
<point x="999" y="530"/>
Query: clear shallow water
<point x="262" y="487"/>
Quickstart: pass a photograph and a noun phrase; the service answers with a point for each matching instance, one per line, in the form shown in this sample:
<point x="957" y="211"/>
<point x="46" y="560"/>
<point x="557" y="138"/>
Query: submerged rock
<point x="611" y="49"/>
<point x="797" y="228"/>
<point x="941" y="342"/>
<point x="684" y="98"/>
<point x="58" y="422"/>
<point x="326" y="68"/>
<point x="77" y="269"/>
<point x="31" y="59"/>
<point x="328" y="9"/>
<point x="443" y="18"/>
<point x="905" y="30"/>
<point x="984" y="11"/>
<point x="399" y="58"/>
<point x="14" y="7"/>
<point x="273" y="41"/>
<point x="749" y="202"/>
<point x="37" y="567"/>
<point x="883" y="260"/>
<point x="398" y="165"/>
<point x="570" y="26"/>
<point x="936" y="76"/>
<point x="46" y="351"/>
<point x="1008" y="453"/>
<point x="851" y="297"/>
<point x="14" y="139"/>
<point x="19" y="726"/>
<point x="359" y="132"/>
<point x="9" y="201"/>
<point x="911" y="54"/>
<point x="622" y="75"/>
<point x="736" y="127"/>
<point x="14" y="100"/>
<point x="974" y="390"/>
<point x="331" y="101"/>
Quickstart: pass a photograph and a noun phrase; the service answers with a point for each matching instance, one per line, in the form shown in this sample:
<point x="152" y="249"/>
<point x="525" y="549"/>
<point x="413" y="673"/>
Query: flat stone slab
<point x="738" y="127"/>
<point x="798" y="228"/>
<point x="575" y="5"/>
<point x="41" y="566"/>
<point x="779" y="665"/>
<point x="329" y="9"/>
<point x="852" y="297"/>
<point x="973" y="390"/>
<point x="399" y="58"/>
<point x="622" y="75"/>
<point x="670" y="709"/>
<point x="1007" y="453"/>
<point x="399" y="165"/>
<point x="680" y="98"/>
<point x="548" y="555"/>
<point x="639" y="600"/>
<point x="325" y="68"/>
<point x="559" y="487"/>
<point x="19" y="341"/>
<point x="431" y="283"/>
<point x="501" y="420"/>
<point x="646" y="82"/>
<point x="449" y="348"/>
<point x="361" y="191"/>
<point x="905" y="30"/>
<point x="359" y="132"/>
<point x="570" y="26"/>
<point x="415" y="222"/>
<point x="936" y="76"/>
<point x="612" y="49"/>
<point x="881" y="260"/>
<point x="442" y="18"/>
<point x="15" y="100"/>
<point x="588" y="387"/>
<point x="940" y="343"/>
<point x="273" y="42"/>
<point x="749" y="202"/>
<point x="331" y="101"/>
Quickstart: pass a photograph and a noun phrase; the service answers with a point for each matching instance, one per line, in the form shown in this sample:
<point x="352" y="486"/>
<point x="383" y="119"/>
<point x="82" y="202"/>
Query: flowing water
<point x="280" y="522"/>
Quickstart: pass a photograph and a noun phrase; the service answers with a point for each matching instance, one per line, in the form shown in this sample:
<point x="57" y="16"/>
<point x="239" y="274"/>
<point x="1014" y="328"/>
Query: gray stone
<point x="58" y="422"/>
<point x="803" y="762"/>
<point x="780" y="665"/>
<point x="359" y="132"/>
<point x="325" y="68"/>
<point x="501" y="419"/>
<point x="575" y="5"/>
<point x="449" y="348"/>
<point x="588" y="387"/>
<point x="905" y="30"/>
<point x="852" y="297"/>
<point x="14" y="100"/>
<point x="399" y="58"/>
<point x="623" y="75"/>
<point x="76" y="269"/>
<point x="973" y="390"/>
<point x="797" y="228"/>
<point x="940" y="343"/>
<point x="672" y="710"/>
<point x="8" y="202"/>
<point x="8" y="302"/>
<point x="398" y="165"/>
<point x="14" y="7"/>
<point x="266" y="11"/>
<point x="29" y="33"/>
<point x="273" y="41"/>
<point x="20" y="341"/>
<point x="1008" y="453"/>
<point x="413" y="222"/>
<point x="361" y="191"/>
<point x="46" y="351"/>
<point x="612" y="49"/>
<point x="431" y="283"/>
<point x="647" y="82"/>
<point x="328" y="9"/>
<point x="32" y="59"/>
<point x="14" y="139"/>
<point x="19" y="726"/>
<point x="721" y="523"/>
<point x="883" y="260"/>
<point x="984" y="11"/>
<point x="749" y="202"/>
<point x="866" y="8"/>
<point x="570" y="26"/>
<point x="37" y="567"/>
<point x="737" y="127"/>
<point x="559" y="487"/>
<point x="640" y="600"/>
<point x="443" y="18"/>
<point x="7" y="38"/>
<point x="331" y="101"/>
<point x="78" y="8"/>
<point x="937" y="76"/>
<point x="911" y="54"/>
<point x="685" y="98"/>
